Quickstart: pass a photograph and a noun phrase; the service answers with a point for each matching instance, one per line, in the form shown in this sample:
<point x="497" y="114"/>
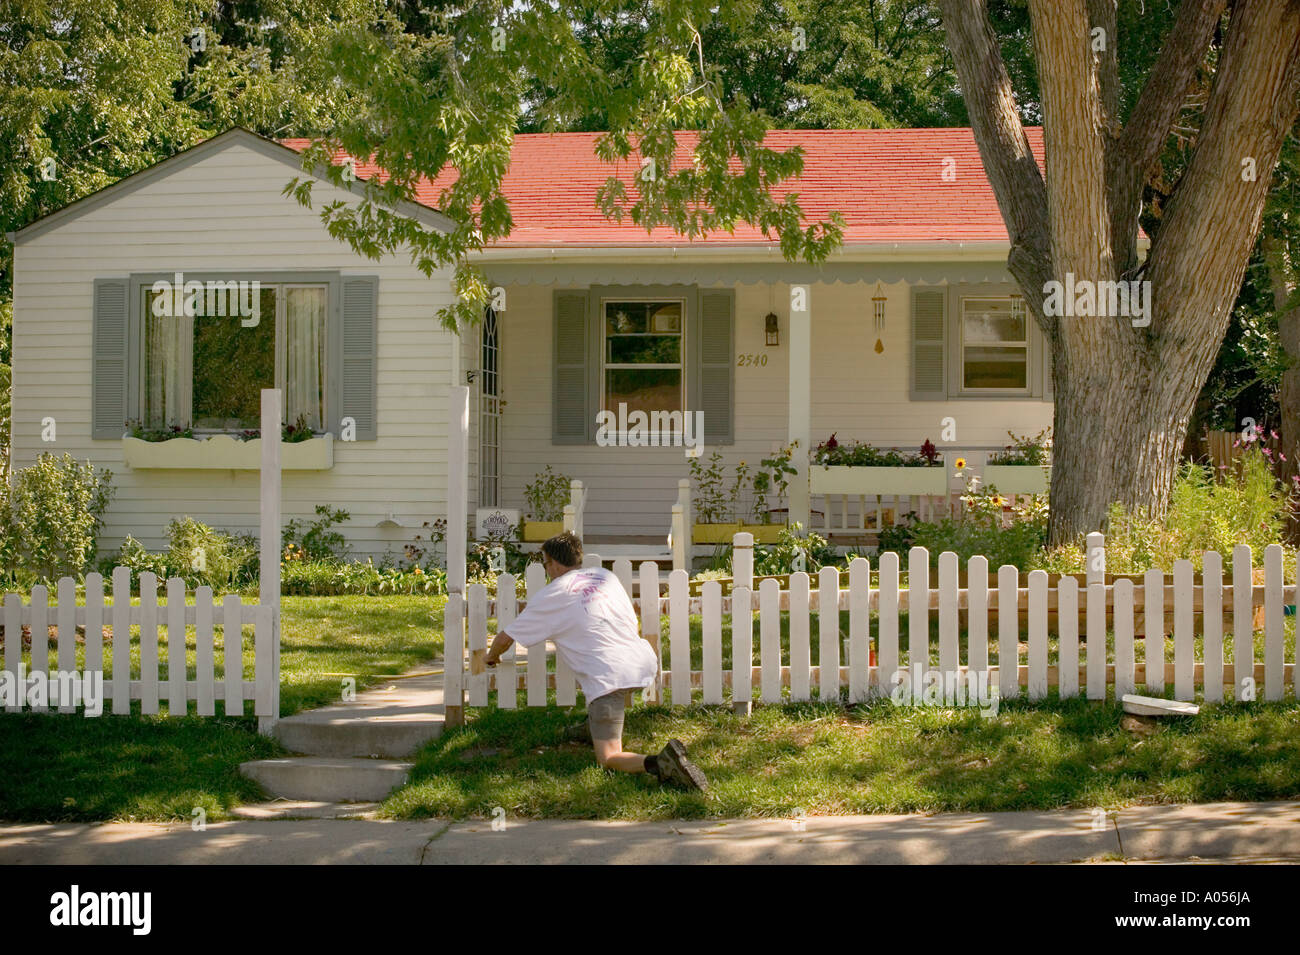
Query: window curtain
<point x="304" y="334"/>
<point x="166" y="344"/>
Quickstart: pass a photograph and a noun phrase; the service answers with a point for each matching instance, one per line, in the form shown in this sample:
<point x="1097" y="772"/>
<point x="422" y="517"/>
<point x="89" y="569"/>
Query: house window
<point x="994" y="345"/>
<point x="207" y="371"/>
<point x="643" y="355"/>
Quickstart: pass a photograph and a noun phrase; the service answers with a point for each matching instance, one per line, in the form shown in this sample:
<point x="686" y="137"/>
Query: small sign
<point x="496" y="521"/>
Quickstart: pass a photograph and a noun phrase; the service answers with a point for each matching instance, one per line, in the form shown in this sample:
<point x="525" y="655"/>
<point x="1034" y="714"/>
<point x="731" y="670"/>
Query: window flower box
<point x="223" y="452"/>
<point x="1018" y="478"/>
<point x="892" y="481"/>
<point x="723" y="533"/>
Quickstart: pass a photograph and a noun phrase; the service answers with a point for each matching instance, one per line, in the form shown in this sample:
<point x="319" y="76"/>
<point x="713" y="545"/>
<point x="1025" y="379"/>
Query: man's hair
<point x="565" y="549"/>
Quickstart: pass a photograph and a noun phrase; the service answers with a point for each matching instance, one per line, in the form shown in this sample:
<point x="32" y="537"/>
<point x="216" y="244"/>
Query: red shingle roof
<point x="887" y="183"/>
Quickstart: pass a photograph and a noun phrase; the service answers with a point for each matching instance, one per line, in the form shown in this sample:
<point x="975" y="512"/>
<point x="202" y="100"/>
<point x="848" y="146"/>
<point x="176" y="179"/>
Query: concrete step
<point x="392" y="720"/>
<point x="328" y="779"/>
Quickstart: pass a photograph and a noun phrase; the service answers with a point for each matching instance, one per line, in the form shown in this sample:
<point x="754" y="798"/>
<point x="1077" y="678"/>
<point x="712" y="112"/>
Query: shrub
<point x="202" y="555"/>
<point x="316" y="540"/>
<point x="783" y="557"/>
<point x="546" y="495"/>
<point x="331" y="578"/>
<point x="50" y="518"/>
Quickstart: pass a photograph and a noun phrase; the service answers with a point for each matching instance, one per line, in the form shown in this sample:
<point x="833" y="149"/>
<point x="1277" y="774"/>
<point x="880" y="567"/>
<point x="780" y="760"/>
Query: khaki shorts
<point x="605" y="715"/>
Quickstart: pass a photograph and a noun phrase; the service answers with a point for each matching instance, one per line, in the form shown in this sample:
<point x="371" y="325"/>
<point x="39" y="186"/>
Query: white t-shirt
<point x="588" y="616"/>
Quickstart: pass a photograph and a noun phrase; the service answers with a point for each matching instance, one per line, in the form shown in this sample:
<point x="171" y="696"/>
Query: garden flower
<point x="959" y="464"/>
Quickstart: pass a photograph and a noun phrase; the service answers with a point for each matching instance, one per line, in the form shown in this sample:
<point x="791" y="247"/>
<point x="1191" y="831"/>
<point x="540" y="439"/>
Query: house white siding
<point x="225" y="212"/>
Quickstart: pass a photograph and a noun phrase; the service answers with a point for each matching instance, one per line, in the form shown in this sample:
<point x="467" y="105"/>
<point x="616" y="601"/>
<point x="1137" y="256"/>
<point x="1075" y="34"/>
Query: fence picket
<point x="176" y="705"/>
<point x="1037" y="634"/>
<point x="1273" y="650"/>
<point x="769" y="639"/>
<point x="1243" y="623"/>
<point x="742" y="645"/>
<point x="476" y="685"/>
<point x="232" y="653"/>
<point x="977" y="614"/>
<point x="1008" y="633"/>
<point x="14" y="647"/>
<point x="828" y="634"/>
<point x="887" y="623"/>
<point x="148" y="643"/>
<point x="650" y="624"/>
<point x="1096" y="645"/>
<point x="40" y="636"/>
<point x="1153" y="629"/>
<point x="918" y="614"/>
<point x="1184" y="650"/>
<point x="94" y="655"/>
<point x="263" y="661"/>
<point x="859" y="629"/>
<point x="800" y="646"/>
<point x="1125" y="663"/>
<point x="121" y="640"/>
<point x="66" y="625"/>
<point x="534" y="582"/>
<point x="1212" y="625"/>
<point x="204" y="652"/>
<point x="507" y="672"/>
<point x="1067" y="638"/>
<point x="948" y="622"/>
<point x="679" y="636"/>
<point x="712" y="633"/>
<point x="623" y="571"/>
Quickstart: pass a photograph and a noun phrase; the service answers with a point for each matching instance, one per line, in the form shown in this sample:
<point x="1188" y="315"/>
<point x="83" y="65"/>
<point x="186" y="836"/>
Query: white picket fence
<point x="138" y="625"/>
<point x="867" y="658"/>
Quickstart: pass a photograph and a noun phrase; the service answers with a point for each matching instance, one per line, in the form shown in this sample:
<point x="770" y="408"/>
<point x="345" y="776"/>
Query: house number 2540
<point x="751" y="360"/>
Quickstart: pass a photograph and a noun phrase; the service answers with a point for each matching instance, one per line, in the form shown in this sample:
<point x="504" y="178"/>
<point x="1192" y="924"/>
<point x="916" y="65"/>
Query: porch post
<point x="457" y="517"/>
<point x="800" y="403"/>
<point x="268" y="587"/>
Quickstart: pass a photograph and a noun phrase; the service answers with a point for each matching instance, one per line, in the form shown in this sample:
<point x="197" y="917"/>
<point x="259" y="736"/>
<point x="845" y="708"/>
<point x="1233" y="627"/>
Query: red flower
<point x="831" y="442"/>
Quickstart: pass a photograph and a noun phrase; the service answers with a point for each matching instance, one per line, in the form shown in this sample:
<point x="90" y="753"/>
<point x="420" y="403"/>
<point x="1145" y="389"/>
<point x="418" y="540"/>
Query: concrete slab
<point x="328" y="778"/>
<point x="392" y="720"/>
<point x="1239" y="829"/>
<point x="306" y="809"/>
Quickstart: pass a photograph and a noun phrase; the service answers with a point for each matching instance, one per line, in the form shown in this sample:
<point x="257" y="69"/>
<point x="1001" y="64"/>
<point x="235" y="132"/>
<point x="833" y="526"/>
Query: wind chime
<point x="878" y="312"/>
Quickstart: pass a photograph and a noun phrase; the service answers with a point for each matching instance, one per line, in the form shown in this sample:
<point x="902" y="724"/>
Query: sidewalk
<point x="1218" y="831"/>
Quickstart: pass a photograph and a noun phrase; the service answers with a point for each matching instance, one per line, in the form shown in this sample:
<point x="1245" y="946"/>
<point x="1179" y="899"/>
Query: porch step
<point x="328" y="779"/>
<point x="392" y="720"/>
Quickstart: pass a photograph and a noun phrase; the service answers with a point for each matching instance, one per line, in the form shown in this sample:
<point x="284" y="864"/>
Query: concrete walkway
<point x="1251" y="832"/>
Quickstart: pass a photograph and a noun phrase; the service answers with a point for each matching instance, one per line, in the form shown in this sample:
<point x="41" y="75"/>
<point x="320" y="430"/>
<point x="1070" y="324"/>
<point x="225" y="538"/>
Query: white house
<point x="365" y="365"/>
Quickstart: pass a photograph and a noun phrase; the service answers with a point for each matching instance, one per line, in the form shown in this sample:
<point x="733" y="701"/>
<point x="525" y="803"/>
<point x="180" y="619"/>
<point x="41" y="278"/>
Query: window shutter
<point x="928" y="320"/>
<point x="570" y="420"/>
<point x="714" y="340"/>
<point x="110" y="359"/>
<point x="358" y="392"/>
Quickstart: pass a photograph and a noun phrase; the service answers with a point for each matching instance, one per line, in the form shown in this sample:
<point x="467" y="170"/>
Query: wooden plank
<point x="859" y="629"/>
<point x="1008" y="634"/>
<point x="828" y="634"/>
<point x="1212" y="626"/>
<point x="506" y="669"/>
<point x="977" y="615"/>
<point x="887" y="621"/>
<point x="742" y="646"/>
<point x="1125" y="662"/>
<point x="1273" y="649"/>
<point x="94" y="656"/>
<point x="476" y="637"/>
<point x="232" y="653"/>
<point x="204" y="653"/>
<point x="14" y="648"/>
<point x="67" y="634"/>
<point x="712" y="634"/>
<point x="1243" y="626"/>
<point x="650" y="624"/>
<point x="121" y="640"/>
<point x="1067" y="630"/>
<point x="948" y="622"/>
<point x="39" y="654"/>
<point x="623" y="571"/>
<point x="1153" y="633"/>
<point x="534" y="582"/>
<point x="1184" y="638"/>
<point x="1037" y="635"/>
<point x="769" y="641"/>
<point x="1096" y="642"/>
<point x="679" y="636"/>
<point x="264" y="675"/>
<point x="453" y="630"/>
<point x="148" y="643"/>
<point x="918" y="614"/>
<point x="176" y="675"/>
<point x="800" y="646"/>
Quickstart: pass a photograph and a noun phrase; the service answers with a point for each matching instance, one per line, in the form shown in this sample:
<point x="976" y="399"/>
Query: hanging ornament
<point x="878" y="312"/>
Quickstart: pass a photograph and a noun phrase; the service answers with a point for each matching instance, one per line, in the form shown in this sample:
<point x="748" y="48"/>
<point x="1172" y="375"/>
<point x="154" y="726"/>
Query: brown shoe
<point x="676" y="767"/>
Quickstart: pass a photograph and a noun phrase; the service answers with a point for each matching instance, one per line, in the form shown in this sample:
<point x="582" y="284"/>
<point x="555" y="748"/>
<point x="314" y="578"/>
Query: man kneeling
<point x="588" y="616"/>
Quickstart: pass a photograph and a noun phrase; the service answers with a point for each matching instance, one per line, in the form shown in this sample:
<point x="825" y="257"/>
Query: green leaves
<point x="49" y="518"/>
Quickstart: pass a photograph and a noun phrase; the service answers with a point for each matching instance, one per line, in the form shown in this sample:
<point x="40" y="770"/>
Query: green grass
<point x="878" y="758"/>
<point x="71" y="768"/>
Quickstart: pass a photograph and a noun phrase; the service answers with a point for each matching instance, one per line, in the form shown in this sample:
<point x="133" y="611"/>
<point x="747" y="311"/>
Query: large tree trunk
<point x="1124" y="394"/>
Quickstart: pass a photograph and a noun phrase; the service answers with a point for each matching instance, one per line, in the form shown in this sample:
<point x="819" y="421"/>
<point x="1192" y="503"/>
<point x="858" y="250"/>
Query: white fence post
<point x="681" y="540"/>
<point x="457" y="516"/>
<point x="268" y="591"/>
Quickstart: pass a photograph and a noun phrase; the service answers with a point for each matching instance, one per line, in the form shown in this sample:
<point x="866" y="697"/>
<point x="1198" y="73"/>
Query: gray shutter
<point x="716" y="330"/>
<point x="928" y="382"/>
<point x="358" y="391"/>
<point x="110" y="359"/>
<point x="569" y="424"/>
